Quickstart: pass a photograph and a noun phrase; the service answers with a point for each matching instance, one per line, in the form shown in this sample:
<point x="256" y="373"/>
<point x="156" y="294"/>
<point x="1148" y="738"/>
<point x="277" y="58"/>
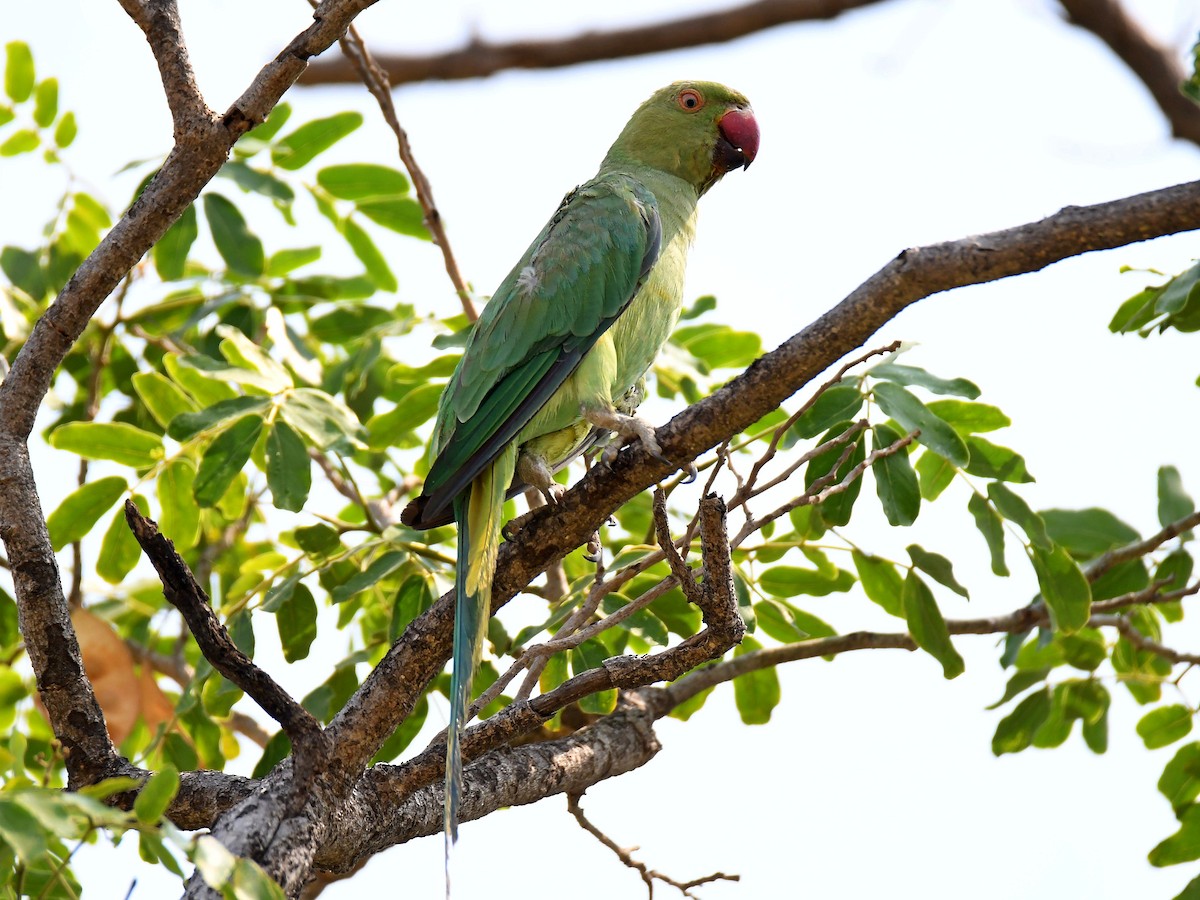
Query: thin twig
<point x="376" y="81"/>
<point x="625" y="855"/>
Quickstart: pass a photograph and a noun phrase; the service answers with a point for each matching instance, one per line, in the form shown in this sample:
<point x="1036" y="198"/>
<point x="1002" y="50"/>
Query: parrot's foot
<point x="534" y="471"/>
<point x="627" y="426"/>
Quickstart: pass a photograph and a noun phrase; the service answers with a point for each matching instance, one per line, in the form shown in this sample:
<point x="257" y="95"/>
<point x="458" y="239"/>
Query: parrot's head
<point x="696" y="130"/>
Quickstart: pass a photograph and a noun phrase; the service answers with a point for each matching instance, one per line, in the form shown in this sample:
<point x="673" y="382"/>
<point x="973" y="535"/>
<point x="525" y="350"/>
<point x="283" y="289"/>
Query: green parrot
<point x="558" y="356"/>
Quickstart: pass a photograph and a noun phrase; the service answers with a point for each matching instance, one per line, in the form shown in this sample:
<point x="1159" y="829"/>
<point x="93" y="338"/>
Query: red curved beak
<point x="740" y="129"/>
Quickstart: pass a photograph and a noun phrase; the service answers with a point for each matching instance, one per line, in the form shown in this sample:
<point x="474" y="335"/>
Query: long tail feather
<point x="478" y="513"/>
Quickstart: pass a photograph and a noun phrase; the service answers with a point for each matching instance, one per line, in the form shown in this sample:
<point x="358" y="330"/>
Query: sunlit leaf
<point x="156" y="795"/>
<point x="1064" y="588"/>
<point x="757" y="692"/>
<point x="298" y="148"/>
<point x="117" y="441"/>
<point x="881" y="582"/>
<point x="82" y="508"/>
<point x="359" y="181"/>
<point x="1015" y="731"/>
<point x="18" y="71"/>
<point x="937" y="566"/>
<point x="1165" y="725"/>
<point x="991" y="526"/>
<point x="119" y="549"/>
<point x="1017" y="510"/>
<point x="1174" y="503"/>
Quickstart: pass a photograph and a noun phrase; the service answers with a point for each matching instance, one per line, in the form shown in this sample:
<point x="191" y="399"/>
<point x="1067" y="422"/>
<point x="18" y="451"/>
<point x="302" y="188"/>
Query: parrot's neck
<point x="644" y="327"/>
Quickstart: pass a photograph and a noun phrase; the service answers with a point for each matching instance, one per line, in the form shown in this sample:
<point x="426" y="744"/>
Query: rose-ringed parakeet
<point x="565" y="341"/>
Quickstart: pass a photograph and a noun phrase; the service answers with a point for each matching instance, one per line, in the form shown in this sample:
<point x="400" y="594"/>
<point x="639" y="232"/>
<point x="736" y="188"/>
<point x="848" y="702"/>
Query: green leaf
<point x="880" y="581"/>
<point x="296" y="620"/>
<point x="323" y="420"/>
<point x="912" y="414"/>
<point x="156" y="795"/>
<point x="18" y="71"/>
<point x="65" y="131"/>
<point x="591" y="655"/>
<point x="935" y="474"/>
<point x="969" y="418"/>
<point x="1184" y="845"/>
<point x="242" y="352"/>
<point x="1192" y="890"/>
<point x="24" y="270"/>
<point x="1064" y="588"/>
<point x="300" y="147"/>
<point x="82" y="508"/>
<point x="117" y="441"/>
<point x="1165" y="725"/>
<point x="991" y="526"/>
<point x="839" y="403"/>
<point x="183" y="427"/>
<point x="368" y="254"/>
<point x="757" y="692"/>
<point x="928" y="628"/>
<point x="257" y="181"/>
<point x="1017" y="510"/>
<point x="1087" y="533"/>
<point x="1015" y="731"/>
<point x="19" y="142"/>
<point x="1085" y="649"/>
<point x="913" y="375"/>
<point x="719" y="346"/>
<point x="119" y="550"/>
<point x="171" y="251"/>
<point x="318" y="539"/>
<point x="1180" y="780"/>
<point x="895" y="480"/>
<point x="241" y="249"/>
<point x="1173" y="501"/>
<point x="163" y="399"/>
<point x="794" y="581"/>
<point x="21" y="831"/>
<point x="289" y="470"/>
<point x="936" y="565"/>
<point x="180" y="517"/>
<point x="380" y="568"/>
<point x="1019" y="684"/>
<point x="45" y="103"/>
<point x="224" y="459"/>
<point x="836" y="510"/>
<point x="777" y="621"/>
<point x="990" y="460"/>
<point x="289" y="260"/>
<point x="277" y="118"/>
<point x="403" y="216"/>
<point x="1136" y="312"/>
<point x="358" y="181"/>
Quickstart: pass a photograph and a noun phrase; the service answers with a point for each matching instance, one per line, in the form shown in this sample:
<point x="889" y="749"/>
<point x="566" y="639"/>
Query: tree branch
<point x="1156" y="66"/>
<point x="181" y="589"/>
<point x="480" y="58"/>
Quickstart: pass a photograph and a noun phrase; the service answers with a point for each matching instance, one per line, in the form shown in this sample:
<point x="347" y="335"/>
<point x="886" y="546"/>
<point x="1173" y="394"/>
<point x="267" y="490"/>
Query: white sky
<point x="905" y="124"/>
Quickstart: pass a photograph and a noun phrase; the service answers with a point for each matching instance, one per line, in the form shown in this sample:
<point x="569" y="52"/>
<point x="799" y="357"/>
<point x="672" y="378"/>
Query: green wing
<point x="573" y="282"/>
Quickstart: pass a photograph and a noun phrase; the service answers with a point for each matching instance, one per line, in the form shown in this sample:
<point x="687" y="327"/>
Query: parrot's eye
<point x="690" y="99"/>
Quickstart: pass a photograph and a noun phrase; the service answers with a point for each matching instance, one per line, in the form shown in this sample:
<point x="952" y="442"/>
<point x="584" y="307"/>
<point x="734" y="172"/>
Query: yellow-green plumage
<point x="561" y="349"/>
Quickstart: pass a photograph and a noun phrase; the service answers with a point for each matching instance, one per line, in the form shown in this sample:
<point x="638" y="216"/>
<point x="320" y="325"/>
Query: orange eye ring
<point x="689" y="99"/>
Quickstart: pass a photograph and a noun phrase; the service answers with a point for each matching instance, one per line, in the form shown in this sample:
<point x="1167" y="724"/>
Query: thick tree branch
<point x="481" y="58"/>
<point x="389" y="693"/>
<point x="159" y="20"/>
<point x="1156" y="66"/>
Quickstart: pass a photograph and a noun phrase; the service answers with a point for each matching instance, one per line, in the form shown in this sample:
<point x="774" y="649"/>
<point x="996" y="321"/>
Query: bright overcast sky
<point x="913" y="122"/>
